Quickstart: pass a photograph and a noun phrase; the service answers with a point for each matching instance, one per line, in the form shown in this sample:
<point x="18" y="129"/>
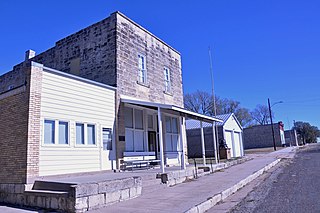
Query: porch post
<point x="214" y="142"/>
<point x="182" y="140"/>
<point x="160" y="141"/>
<point x="202" y="144"/>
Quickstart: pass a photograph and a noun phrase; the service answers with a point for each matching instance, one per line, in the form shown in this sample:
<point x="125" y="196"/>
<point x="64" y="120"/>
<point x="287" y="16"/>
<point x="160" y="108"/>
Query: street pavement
<point x="184" y="197"/>
<point x="292" y="188"/>
<point x="194" y="195"/>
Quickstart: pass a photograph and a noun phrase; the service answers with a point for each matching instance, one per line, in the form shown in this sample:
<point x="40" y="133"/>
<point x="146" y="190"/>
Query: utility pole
<point x="214" y="108"/>
<point x="274" y="140"/>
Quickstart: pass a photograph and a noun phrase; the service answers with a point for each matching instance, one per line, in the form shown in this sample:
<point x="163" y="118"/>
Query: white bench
<point x="139" y="162"/>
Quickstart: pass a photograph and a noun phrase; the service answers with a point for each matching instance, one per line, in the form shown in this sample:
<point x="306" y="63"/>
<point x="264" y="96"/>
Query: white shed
<point x="230" y="130"/>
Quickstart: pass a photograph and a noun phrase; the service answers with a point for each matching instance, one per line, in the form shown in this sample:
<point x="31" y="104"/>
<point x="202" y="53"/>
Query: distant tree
<point x="306" y="132"/>
<point x="202" y="102"/>
<point x="261" y="114"/>
<point x="199" y="102"/>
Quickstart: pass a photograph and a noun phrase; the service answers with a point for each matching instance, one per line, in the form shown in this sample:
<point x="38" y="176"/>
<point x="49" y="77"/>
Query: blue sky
<point x="261" y="49"/>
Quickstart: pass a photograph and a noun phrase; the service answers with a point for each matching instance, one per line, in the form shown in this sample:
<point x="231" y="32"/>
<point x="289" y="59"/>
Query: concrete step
<point x="52" y="186"/>
<point x="46" y="193"/>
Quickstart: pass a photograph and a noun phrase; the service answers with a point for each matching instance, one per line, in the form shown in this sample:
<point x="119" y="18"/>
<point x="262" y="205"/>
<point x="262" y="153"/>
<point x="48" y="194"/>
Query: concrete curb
<point x="212" y="201"/>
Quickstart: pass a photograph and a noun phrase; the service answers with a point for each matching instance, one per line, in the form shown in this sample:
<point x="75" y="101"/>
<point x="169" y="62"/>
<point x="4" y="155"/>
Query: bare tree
<point x="261" y="114"/>
<point x="201" y="102"/>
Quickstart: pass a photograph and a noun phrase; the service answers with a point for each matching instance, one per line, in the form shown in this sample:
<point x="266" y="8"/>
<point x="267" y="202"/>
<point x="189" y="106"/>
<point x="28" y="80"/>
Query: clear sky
<point x="261" y="49"/>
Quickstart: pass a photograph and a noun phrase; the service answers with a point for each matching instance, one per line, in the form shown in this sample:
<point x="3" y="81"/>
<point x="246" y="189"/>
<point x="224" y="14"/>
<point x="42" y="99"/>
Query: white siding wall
<point x="71" y="100"/>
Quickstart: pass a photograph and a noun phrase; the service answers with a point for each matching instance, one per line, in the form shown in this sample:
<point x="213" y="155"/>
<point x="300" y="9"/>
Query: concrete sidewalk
<point x="201" y="194"/>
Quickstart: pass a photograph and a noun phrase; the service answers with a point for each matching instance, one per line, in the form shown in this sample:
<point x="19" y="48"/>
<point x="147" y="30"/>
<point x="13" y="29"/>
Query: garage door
<point x="228" y="137"/>
<point x="237" y="147"/>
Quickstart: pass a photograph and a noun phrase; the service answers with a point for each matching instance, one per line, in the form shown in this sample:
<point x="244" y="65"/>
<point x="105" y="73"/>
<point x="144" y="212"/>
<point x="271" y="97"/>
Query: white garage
<point x="232" y="133"/>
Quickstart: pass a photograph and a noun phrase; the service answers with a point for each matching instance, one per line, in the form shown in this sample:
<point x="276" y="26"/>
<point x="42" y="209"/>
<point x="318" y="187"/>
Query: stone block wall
<point x="132" y="40"/>
<point x="80" y="198"/>
<point x="260" y="136"/>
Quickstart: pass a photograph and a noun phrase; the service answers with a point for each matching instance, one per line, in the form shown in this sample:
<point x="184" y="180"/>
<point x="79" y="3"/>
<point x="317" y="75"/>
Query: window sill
<point x="143" y="84"/>
<point x="168" y="93"/>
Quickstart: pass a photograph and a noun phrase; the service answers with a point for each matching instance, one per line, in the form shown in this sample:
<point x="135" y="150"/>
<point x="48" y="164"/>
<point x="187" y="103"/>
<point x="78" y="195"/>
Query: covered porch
<point x="158" y="132"/>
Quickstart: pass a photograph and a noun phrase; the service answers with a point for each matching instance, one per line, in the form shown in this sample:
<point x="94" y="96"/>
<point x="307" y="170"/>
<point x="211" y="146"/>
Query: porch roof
<point x="180" y="110"/>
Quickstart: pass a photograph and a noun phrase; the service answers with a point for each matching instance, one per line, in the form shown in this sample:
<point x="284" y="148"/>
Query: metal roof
<point x="194" y="124"/>
<point x="169" y="107"/>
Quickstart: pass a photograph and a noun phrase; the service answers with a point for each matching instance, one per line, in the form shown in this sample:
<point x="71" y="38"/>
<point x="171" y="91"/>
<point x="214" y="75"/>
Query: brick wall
<point x="13" y="136"/>
<point x="34" y="138"/>
<point x="260" y="136"/>
<point x="20" y="128"/>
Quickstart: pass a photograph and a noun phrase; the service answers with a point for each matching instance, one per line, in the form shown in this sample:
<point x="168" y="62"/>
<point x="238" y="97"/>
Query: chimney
<point x="30" y="54"/>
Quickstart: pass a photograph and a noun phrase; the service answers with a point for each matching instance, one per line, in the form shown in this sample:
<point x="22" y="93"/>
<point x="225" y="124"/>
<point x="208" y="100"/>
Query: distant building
<point x="291" y="137"/>
<point x="260" y="136"/>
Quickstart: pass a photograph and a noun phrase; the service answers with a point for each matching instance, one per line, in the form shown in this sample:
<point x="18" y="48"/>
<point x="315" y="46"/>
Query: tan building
<point x="108" y="94"/>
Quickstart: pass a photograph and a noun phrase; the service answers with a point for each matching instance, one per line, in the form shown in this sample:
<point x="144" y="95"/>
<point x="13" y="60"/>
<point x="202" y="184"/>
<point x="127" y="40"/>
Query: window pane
<point x="150" y="121"/>
<point x="174" y="125"/>
<point x="91" y="134"/>
<point x="168" y="143"/>
<point x="80" y="133"/>
<point x="175" y="140"/>
<point x="63" y="132"/>
<point x="49" y="132"/>
<point x="107" y="138"/>
<point x="129" y="140"/>
<point x="128" y="117"/>
<point x="168" y="124"/>
<point x="138" y="141"/>
<point x="138" y="116"/>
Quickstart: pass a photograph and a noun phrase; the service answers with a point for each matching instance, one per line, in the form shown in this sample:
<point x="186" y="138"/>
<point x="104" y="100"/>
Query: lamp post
<point x="274" y="140"/>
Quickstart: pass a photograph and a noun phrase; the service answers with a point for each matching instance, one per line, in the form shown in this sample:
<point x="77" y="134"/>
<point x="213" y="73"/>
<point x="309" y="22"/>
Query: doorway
<point x="152" y="142"/>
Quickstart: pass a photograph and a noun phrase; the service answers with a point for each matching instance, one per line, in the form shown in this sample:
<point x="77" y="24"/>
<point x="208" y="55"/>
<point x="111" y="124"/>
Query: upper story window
<point x="142" y="69"/>
<point x="167" y="81"/>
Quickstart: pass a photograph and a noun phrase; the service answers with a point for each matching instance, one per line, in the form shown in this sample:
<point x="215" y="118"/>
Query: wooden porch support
<point x="182" y="139"/>
<point x="160" y="141"/>
<point x="202" y="144"/>
<point x="214" y="142"/>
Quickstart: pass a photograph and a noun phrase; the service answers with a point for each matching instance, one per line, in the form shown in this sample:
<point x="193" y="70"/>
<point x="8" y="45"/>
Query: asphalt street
<point x="293" y="187"/>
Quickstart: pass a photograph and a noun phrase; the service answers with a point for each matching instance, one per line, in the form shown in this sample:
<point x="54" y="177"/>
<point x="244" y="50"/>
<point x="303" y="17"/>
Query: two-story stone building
<point x="109" y="91"/>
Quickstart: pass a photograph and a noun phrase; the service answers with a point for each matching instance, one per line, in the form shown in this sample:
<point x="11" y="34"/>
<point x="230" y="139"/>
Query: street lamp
<point x="274" y="140"/>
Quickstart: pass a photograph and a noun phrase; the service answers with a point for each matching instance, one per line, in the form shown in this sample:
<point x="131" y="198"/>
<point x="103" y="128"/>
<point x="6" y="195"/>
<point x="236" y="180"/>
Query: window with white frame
<point x="56" y="132"/>
<point x="142" y="75"/>
<point x="91" y="134"/>
<point x="63" y="132"/>
<point x="134" y="133"/>
<point x="49" y="132"/>
<point x="167" y="80"/>
<point x="85" y="134"/>
<point x="172" y="134"/>
<point x="80" y="133"/>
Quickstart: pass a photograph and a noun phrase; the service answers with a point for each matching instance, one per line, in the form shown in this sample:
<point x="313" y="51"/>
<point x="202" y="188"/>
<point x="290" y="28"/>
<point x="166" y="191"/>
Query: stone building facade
<point x="105" y="52"/>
